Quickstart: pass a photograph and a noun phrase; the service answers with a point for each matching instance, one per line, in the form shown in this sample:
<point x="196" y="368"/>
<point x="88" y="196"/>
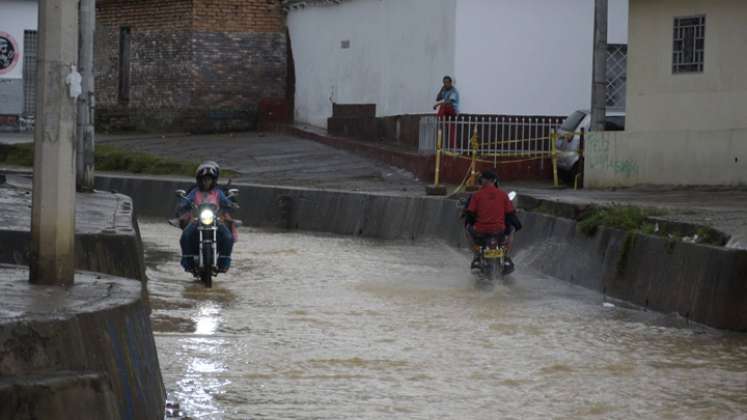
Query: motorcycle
<point x="493" y="258"/>
<point x="207" y="217"/>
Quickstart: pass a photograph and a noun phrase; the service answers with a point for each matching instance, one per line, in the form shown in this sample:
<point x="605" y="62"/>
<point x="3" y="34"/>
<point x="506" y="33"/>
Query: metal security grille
<point x="30" y="48"/>
<point x="617" y="75"/>
<point x="689" y="44"/>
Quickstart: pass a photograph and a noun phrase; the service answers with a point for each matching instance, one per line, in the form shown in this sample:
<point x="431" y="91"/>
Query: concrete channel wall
<point x="702" y="283"/>
<point x="110" y="244"/>
<point x="85" y="352"/>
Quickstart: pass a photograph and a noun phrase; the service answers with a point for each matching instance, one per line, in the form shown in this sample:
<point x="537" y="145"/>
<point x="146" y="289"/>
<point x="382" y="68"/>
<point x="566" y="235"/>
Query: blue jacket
<point x="451" y="96"/>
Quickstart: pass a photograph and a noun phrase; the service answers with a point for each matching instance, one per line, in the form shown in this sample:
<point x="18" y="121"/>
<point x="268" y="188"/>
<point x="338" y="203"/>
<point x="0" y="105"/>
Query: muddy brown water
<point x="310" y="326"/>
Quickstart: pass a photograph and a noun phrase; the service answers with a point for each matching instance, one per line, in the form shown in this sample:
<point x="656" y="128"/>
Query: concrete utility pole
<point x="86" y="102"/>
<point x="599" y="78"/>
<point x="53" y="208"/>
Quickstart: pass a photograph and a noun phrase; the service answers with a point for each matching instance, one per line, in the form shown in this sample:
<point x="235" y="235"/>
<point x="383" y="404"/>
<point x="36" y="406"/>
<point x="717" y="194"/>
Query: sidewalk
<point x="724" y="209"/>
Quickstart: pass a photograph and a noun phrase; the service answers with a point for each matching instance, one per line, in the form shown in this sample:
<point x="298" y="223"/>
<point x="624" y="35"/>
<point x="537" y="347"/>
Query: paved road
<point x="279" y="159"/>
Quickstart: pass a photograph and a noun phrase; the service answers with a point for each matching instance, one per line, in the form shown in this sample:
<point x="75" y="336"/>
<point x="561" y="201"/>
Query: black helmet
<point x="208" y="168"/>
<point x="490" y="176"/>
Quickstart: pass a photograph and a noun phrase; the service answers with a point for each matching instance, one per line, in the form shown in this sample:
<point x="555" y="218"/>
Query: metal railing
<point x="496" y="140"/>
<point x="499" y="136"/>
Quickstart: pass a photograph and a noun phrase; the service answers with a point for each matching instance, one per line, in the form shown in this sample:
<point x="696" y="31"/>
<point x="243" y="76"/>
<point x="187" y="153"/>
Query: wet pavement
<point x="318" y="326"/>
<point x="278" y="159"/>
<point x="721" y="208"/>
<point x="100" y="212"/>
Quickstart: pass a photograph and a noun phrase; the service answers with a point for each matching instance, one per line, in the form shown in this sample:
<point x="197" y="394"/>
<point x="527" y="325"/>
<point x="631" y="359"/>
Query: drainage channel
<point x="318" y="326"/>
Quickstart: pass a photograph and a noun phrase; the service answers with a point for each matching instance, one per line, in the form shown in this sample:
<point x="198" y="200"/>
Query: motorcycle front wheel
<point x="207" y="278"/>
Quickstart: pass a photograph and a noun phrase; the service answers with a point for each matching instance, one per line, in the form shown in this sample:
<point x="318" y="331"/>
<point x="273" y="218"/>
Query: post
<point x="53" y="202"/>
<point x="436" y="188"/>
<point x="581" y="158"/>
<point x="554" y="154"/>
<point x="474" y="144"/>
<point x="599" y="82"/>
<point x="86" y="101"/>
<point x="438" y="159"/>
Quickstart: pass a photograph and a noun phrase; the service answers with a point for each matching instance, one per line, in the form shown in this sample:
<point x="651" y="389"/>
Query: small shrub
<point x="627" y="218"/>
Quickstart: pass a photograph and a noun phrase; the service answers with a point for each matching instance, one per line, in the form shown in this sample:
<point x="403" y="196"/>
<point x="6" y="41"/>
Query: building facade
<point x="197" y="65"/>
<point x="187" y="65"/>
<point x="687" y="98"/>
<point x="18" y="21"/>
<point x="506" y="56"/>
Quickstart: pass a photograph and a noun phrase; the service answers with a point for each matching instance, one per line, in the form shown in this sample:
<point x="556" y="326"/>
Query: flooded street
<point x="322" y="327"/>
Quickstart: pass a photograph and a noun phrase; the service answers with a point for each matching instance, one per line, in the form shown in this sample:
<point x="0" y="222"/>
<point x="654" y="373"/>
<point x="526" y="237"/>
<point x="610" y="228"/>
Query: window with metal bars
<point x="30" y="48"/>
<point x="617" y="75"/>
<point x="689" y="44"/>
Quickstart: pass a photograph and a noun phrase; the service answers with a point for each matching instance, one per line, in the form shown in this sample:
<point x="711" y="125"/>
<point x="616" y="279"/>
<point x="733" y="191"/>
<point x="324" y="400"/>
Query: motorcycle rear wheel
<point x="491" y="269"/>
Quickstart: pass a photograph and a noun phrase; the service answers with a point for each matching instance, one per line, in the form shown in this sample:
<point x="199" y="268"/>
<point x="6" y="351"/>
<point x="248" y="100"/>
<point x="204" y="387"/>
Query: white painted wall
<point x="530" y="57"/>
<point x="399" y="51"/>
<point x="17" y="16"/>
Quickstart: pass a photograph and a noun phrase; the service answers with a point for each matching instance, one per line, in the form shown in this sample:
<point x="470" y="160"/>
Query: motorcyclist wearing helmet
<point x="206" y="190"/>
<point x="489" y="212"/>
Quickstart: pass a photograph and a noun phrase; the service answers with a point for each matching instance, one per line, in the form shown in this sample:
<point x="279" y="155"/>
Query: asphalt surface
<point x="278" y="159"/>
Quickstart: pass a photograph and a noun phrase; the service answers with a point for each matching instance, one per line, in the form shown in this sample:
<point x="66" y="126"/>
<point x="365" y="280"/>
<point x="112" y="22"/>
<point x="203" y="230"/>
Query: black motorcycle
<point x="207" y="216"/>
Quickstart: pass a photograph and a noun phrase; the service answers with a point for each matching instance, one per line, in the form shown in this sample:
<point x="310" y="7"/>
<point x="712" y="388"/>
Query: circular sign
<point x="9" y="54"/>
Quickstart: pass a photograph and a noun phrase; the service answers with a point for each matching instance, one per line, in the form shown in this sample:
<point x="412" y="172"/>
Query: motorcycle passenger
<point x="487" y="213"/>
<point x="207" y="191"/>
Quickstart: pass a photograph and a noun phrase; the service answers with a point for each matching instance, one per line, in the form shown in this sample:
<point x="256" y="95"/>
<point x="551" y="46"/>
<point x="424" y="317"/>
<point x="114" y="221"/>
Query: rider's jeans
<point x="191" y="247"/>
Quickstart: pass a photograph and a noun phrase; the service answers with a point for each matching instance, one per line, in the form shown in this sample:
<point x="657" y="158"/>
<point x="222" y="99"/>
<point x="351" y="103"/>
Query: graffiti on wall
<point x="9" y="54"/>
<point x="600" y="157"/>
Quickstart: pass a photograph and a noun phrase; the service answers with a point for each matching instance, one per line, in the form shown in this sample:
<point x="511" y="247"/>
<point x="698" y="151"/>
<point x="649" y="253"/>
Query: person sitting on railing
<point x="447" y="106"/>
<point x="447" y="100"/>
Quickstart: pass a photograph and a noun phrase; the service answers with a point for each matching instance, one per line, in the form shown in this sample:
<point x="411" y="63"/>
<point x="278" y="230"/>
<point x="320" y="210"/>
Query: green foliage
<point x="627" y="218"/>
<point x="112" y="159"/>
<point x="17" y="155"/>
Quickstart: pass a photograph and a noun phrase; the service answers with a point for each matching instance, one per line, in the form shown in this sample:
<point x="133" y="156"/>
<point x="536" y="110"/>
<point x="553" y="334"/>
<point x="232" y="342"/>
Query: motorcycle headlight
<point x="207" y="217"/>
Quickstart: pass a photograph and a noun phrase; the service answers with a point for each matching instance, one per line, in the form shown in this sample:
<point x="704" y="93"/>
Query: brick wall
<point x="240" y="57"/>
<point x="160" y="62"/>
<point x="197" y="65"/>
<point x="238" y="16"/>
<point x="233" y="72"/>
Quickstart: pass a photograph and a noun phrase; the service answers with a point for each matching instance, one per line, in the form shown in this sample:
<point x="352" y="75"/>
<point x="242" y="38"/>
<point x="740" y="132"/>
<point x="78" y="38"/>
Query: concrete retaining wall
<point x="118" y="255"/>
<point x="703" y="283"/>
<point x="82" y="352"/>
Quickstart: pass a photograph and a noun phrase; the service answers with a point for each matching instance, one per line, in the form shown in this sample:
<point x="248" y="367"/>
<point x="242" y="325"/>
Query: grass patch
<point x="17" y="155"/>
<point x="113" y="159"/>
<point x="627" y="218"/>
